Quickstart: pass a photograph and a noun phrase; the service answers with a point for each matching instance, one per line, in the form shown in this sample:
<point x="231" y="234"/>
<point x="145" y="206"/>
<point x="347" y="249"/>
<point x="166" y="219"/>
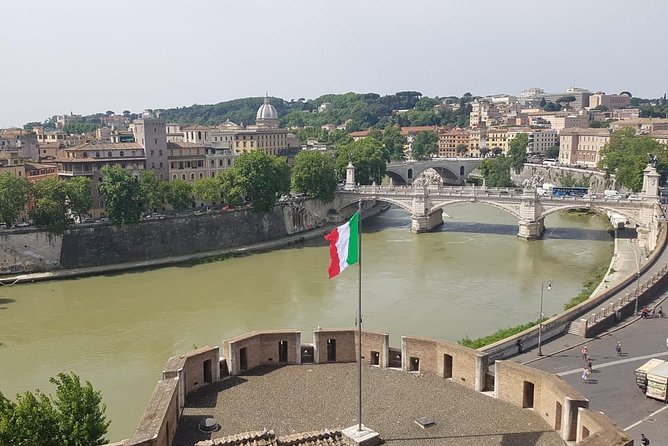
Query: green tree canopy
<point x="79" y="198"/>
<point x="230" y="181"/>
<point x="626" y="156"/>
<point x="207" y="190"/>
<point x="461" y="149"/>
<point x="394" y="142"/>
<point x="73" y="417"/>
<point x="496" y="172"/>
<point x="14" y="192"/>
<point x="424" y="144"/>
<point x="153" y="190"/>
<point x="517" y="152"/>
<point x="179" y="195"/>
<point x="369" y="158"/>
<point x="552" y="152"/>
<point x="314" y="174"/>
<point x="122" y="195"/>
<point x="263" y="178"/>
<point x="50" y="204"/>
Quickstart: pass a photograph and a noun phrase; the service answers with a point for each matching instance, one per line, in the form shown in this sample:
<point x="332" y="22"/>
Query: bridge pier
<point x="421" y="224"/>
<point x="531" y="230"/>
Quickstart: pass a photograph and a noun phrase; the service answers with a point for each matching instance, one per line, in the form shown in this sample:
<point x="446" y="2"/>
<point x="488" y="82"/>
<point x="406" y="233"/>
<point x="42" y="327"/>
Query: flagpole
<point x="359" y="311"/>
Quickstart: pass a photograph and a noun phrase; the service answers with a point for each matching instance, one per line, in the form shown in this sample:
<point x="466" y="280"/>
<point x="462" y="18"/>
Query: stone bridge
<point x="452" y="170"/>
<point x="425" y="202"/>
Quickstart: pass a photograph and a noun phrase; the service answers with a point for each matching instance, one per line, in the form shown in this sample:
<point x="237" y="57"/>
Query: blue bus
<point x="569" y="191"/>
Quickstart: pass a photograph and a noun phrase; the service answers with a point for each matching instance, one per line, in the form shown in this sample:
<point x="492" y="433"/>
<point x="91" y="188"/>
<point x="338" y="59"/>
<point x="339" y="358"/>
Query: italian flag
<point x="343" y="245"/>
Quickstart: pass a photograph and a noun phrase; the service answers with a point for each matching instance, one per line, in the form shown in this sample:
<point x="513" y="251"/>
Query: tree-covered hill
<point x="359" y="110"/>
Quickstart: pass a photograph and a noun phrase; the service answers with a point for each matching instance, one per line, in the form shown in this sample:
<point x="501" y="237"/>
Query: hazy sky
<point x="89" y="56"/>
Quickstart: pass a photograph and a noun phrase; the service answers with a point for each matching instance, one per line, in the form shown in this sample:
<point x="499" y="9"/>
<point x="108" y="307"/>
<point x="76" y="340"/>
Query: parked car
<point x="23" y="224"/>
<point x="88" y="220"/>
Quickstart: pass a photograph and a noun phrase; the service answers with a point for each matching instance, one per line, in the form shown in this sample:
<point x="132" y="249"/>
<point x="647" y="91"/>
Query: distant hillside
<point x="361" y="111"/>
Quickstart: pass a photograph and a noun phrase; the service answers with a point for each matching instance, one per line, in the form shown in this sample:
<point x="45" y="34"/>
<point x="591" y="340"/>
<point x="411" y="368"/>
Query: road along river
<point x="469" y="278"/>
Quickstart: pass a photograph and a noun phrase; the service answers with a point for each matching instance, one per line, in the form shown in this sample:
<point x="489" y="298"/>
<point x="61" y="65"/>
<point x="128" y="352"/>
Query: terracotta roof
<point x="424" y="128"/>
<point x="106" y="146"/>
<point x="183" y="145"/>
<point x="269" y="438"/>
<point x="359" y="133"/>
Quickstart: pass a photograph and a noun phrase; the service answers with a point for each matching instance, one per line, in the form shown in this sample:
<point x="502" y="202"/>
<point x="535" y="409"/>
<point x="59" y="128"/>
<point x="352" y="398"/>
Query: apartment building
<point x="558" y="120"/>
<point x="89" y="159"/>
<point x="450" y="140"/>
<point x="643" y="125"/>
<point x="582" y="146"/>
<point x="611" y="101"/>
<point x="151" y="133"/>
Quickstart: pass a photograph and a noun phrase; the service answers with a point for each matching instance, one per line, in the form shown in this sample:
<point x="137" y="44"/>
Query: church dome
<point x="266" y="111"/>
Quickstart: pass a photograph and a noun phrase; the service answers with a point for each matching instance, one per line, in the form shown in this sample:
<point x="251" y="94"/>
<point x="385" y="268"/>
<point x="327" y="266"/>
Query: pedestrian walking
<point x="585" y="351"/>
<point x="618" y="348"/>
<point x="644" y="441"/>
<point x="520" y="346"/>
<point x="585" y="375"/>
<point x="588" y="360"/>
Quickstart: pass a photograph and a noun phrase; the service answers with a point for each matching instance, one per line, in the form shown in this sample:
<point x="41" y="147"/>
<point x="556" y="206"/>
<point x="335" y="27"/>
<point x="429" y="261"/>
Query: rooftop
<point x="314" y="398"/>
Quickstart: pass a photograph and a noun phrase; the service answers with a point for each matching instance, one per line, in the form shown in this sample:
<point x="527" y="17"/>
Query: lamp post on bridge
<point x="540" y="320"/>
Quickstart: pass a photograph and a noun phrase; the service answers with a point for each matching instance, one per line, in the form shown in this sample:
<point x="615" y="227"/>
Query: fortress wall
<point x="346" y="345"/>
<point x="158" y="424"/>
<point x="468" y="367"/>
<point x="261" y="349"/>
<point x="595" y="429"/>
<point x="191" y="367"/>
<point x="554" y="400"/>
<point x="28" y="250"/>
<point x="374" y="342"/>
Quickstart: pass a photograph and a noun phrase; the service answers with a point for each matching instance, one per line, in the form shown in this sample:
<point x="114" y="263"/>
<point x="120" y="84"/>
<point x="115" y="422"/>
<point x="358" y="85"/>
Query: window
<point x="201" y="175"/>
<point x="122" y="153"/>
<point x="155" y="141"/>
<point x="97" y="154"/>
<point x="152" y="152"/>
<point x="161" y="166"/>
<point x="109" y="154"/>
<point x="183" y="176"/>
<point x="192" y="176"/>
<point x="159" y="152"/>
<point x="174" y="177"/>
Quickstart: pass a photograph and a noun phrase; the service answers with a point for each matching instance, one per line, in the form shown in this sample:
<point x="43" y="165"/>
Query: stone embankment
<point x="564" y="176"/>
<point x="28" y="255"/>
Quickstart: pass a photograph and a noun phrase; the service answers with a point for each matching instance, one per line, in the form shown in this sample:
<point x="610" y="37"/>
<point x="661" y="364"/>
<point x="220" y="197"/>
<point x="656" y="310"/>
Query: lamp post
<point x="637" y="256"/>
<point x="540" y="320"/>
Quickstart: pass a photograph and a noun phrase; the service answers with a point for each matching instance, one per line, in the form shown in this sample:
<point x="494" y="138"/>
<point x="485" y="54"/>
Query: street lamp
<point x="540" y="320"/>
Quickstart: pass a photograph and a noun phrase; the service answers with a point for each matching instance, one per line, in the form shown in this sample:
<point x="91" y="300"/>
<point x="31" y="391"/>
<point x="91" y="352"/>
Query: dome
<point x="266" y="111"/>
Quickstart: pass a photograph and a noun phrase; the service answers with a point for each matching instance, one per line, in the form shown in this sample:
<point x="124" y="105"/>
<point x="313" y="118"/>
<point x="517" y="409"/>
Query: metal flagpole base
<point x="364" y="437"/>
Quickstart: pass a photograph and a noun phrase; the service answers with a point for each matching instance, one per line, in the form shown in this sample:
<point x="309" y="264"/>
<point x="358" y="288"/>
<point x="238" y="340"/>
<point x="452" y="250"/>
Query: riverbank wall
<point x="563" y="176"/>
<point x="29" y="255"/>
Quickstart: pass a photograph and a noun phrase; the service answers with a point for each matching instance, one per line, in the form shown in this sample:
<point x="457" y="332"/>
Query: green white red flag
<point x="344" y="245"/>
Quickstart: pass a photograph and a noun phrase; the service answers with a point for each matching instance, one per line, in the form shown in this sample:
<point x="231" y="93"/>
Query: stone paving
<point x="311" y="397"/>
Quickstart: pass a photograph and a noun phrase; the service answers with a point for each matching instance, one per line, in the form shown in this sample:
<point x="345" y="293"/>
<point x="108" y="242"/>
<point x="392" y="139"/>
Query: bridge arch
<point x="628" y="213"/>
<point x="506" y="208"/>
<point x="345" y="202"/>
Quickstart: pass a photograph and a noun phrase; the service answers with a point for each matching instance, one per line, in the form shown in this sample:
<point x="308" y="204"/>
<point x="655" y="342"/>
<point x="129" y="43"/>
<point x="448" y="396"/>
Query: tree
<point x="152" y="190"/>
<point x="601" y="108"/>
<point x="517" y="152"/>
<point x="424" y="144"/>
<point x="626" y="156"/>
<point x="50" y="204"/>
<point x="314" y="174"/>
<point x="81" y="419"/>
<point x="122" y="194"/>
<point x="73" y="417"/>
<point x="567" y="100"/>
<point x="483" y="152"/>
<point x="230" y="182"/>
<point x="552" y="152"/>
<point x="496" y="172"/>
<point x="543" y="102"/>
<point x="551" y="107"/>
<point x="79" y="198"/>
<point x="179" y="195"/>
<point x="13" y="197"/>
<point x="110" y="113"/>
<point x="394" y="142"/>
<point x="369" y="158"/>
<point x="263" y="178"/>
<point x="461" y="149"/>
<point x="496" y="151"/>
<point x="207" y="190"/>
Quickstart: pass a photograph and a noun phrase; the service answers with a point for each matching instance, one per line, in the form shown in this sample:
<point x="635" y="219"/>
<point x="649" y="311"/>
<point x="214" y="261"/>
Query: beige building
<point x="483" y="114"/>
<point x="187" y="161"/>
<point x="661" y="136"/>
<point x="89" y="159"/>
<point x="541" y="139"/>
<point x="582" y="146"/>
<point x="449" y="140"/>
<point x="644" y="125"/>
<point x="151" y="133"/>
<point x="558" y="120"/>
<point x="498" y="138"/>
<point x="612" y="101"/>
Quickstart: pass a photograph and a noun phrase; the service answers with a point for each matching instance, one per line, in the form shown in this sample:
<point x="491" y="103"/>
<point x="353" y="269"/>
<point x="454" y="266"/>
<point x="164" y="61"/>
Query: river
<point x="469" y="278"/>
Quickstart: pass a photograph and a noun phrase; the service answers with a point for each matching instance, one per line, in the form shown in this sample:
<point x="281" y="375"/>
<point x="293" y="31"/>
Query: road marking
<point x="608" y="364"/>
<point x="648" y="416"/>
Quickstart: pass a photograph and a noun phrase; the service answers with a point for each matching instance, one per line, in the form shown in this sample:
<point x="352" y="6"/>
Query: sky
<point x="88" y="56"/>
